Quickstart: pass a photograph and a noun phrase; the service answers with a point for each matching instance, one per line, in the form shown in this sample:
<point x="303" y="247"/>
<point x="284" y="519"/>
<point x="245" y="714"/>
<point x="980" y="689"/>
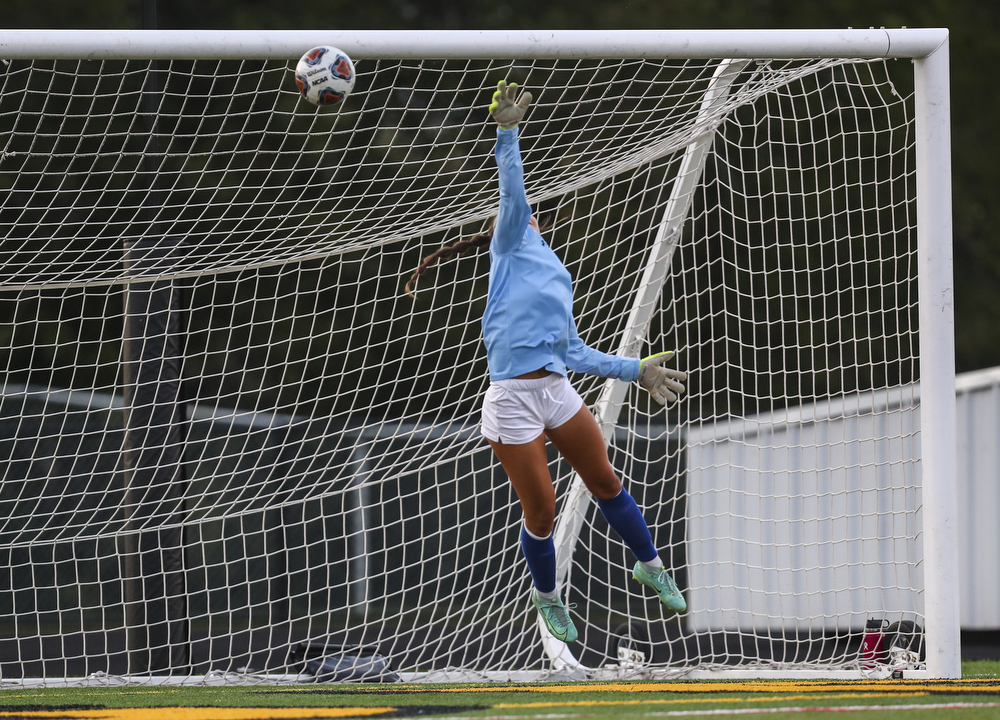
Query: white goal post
<point x="230" y="440"/>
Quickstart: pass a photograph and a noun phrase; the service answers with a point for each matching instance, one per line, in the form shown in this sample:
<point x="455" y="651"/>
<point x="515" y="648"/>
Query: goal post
<point x="775" y="205"/>
<point x="937" y="391"/>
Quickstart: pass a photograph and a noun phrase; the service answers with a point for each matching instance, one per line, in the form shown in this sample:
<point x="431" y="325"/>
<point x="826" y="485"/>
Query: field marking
<point x="754" y="711"/>
<point x="184" y="713"/>
<point x="687" y="701"/>
<point x="900" y="687"/>
<point x="832" y="708"/>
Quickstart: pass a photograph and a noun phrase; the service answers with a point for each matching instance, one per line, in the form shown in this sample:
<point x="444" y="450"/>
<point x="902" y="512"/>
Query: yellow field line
<point x="183" y="713"/>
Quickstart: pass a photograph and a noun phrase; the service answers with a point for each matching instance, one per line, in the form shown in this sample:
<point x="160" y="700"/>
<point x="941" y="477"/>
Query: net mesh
<point x="227" y="431"/>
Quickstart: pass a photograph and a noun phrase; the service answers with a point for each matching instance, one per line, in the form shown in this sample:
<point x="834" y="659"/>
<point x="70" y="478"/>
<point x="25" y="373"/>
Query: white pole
<point x="357" y="500"/>
<point x="609" y="404"/>
<point x="290" y="44"/>
<point x="937" y="364"/>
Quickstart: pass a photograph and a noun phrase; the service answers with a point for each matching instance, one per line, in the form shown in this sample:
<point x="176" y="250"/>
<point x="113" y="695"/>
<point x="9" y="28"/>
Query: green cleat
<point x="556" y="617"/>
<point x="664" y="586"/>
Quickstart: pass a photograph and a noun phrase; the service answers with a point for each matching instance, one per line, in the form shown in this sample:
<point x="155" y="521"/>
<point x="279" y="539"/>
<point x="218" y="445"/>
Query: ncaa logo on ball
<point x="325" y="75"/>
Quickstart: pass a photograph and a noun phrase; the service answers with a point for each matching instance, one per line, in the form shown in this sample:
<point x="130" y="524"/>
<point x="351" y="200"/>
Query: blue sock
<point x="541" y="557"/>
<point x="624" y="516"/>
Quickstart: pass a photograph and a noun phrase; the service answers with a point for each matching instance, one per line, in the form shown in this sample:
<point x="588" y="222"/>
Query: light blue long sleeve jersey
<point x="528" y="323"/>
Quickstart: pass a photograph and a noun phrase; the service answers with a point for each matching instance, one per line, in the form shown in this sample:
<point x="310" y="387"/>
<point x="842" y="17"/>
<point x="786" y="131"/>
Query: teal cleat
<point x="555" y="614"/>
<point x="662" y="584"/>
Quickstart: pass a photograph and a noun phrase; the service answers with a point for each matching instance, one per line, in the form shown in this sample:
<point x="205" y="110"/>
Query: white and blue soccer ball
<point x="325" y="75"/>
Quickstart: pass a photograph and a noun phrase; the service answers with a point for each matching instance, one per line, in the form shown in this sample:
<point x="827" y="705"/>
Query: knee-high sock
<point x="624" y="516"/>
<point x="541" y="556"/>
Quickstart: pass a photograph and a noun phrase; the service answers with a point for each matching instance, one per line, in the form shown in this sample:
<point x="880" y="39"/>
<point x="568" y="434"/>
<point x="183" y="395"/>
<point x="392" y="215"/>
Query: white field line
<point x="831" y="708"/>
<point x="756" y="711"/>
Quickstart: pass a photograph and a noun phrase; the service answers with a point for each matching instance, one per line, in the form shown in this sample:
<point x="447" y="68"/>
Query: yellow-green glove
<point x="664" y="384"/>
<point x="504" y="110"/>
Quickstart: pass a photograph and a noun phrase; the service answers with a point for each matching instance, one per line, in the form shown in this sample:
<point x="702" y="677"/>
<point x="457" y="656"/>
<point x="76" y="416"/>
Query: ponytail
<point x="476" y="241"/>
<point x="449" y="251"/>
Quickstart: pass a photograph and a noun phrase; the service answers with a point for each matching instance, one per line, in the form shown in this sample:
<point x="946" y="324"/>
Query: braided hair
<point x="449" y="251"/>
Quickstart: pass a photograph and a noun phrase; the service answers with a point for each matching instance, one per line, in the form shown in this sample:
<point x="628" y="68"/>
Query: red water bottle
<point x="873" y="649"/>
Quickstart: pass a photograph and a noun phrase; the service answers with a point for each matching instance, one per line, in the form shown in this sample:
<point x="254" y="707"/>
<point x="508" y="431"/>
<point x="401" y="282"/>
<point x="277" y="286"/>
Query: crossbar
<point x="359" y="44"/>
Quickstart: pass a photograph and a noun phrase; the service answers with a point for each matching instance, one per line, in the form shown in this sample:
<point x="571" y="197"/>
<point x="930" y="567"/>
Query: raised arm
<point x="514" y="212"/>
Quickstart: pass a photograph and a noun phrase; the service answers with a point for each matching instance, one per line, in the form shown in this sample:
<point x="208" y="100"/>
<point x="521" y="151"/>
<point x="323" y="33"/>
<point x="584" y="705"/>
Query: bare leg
<point x="528" y="470"/>
<point x="580" y="441"/>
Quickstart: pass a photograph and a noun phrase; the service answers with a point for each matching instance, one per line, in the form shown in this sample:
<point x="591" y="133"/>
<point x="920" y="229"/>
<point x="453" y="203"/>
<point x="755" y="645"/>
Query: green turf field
<point x="975" y="696"/>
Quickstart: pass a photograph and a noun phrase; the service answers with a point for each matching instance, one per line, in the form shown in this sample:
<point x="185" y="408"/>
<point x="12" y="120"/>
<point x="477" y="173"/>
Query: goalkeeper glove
<point x="664" y="384"/>
<point x="504" y="110"/>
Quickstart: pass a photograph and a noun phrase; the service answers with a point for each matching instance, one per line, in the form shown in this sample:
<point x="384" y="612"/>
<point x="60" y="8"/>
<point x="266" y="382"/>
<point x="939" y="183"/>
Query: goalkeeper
<point x="531" y="341"/>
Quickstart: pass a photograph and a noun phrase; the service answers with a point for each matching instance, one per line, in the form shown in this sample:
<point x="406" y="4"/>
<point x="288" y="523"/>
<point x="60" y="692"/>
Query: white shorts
<point x="517" y="411"/>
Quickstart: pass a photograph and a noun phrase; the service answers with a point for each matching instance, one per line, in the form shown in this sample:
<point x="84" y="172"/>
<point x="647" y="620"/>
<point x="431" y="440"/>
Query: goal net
<point x="232" y="443"/>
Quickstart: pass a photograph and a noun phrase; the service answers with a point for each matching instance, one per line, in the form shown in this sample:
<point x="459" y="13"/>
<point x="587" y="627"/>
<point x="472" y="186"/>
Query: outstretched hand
<point x="664" y="384"/>
<point x="504" y="110"/>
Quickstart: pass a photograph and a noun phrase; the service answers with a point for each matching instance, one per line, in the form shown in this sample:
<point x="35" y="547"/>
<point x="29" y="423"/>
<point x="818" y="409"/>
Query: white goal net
<point x="231" y="442"/>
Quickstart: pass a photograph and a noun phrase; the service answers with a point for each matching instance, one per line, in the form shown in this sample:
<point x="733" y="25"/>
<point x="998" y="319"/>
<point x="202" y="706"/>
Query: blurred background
<point x="975" y="52"/>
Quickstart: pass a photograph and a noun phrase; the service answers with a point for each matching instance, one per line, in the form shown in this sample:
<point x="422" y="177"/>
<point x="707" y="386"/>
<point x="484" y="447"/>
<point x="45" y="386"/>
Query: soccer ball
<point x="325" y="75"/>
